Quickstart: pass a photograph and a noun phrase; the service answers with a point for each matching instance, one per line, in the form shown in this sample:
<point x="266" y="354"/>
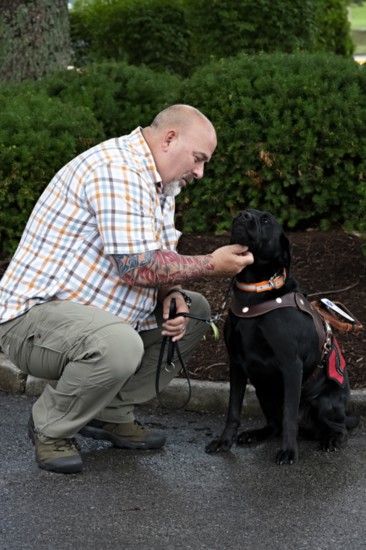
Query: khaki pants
<point x="103" y="367"/>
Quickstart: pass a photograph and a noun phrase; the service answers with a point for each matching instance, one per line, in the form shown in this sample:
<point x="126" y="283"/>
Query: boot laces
<point x="65" y="445"/>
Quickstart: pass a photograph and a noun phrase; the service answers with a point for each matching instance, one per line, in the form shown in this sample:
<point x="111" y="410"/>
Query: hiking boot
<point x="55" y="455"/>
<point x="125" y="436"/>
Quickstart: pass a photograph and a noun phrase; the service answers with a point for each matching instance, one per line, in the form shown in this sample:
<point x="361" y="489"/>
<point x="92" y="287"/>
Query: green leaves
<point x="290" y="136"/>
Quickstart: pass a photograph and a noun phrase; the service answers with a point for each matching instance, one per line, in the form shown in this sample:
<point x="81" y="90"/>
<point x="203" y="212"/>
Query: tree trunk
<point x="34" y="38"/>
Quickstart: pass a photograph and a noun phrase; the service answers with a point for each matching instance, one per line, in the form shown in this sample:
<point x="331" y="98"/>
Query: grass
<point x="358" y="27"/>
<point x="358" y="16"/>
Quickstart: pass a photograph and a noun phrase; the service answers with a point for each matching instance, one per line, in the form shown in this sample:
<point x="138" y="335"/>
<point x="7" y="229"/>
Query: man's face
<point x="185" y="155"/>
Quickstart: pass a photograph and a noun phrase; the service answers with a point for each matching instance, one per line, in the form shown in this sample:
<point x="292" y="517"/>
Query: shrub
<point x="45" y="124"/>
<point x="37" y="136"/>
<point x="121" y="96"/>
<point x="227" y="27"/>
<point x="290" y="130"/>
<point x="141" y="32"/>
<point x="291" y="139"/>
<point x="333" y="32"/>
<point x="178" y="35"/>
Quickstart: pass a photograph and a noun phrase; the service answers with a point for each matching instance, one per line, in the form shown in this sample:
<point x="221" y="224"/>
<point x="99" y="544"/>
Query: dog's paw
<point x="333" y="443"/>
<point x="286" y="456"/>
<point x="219" y="445"/>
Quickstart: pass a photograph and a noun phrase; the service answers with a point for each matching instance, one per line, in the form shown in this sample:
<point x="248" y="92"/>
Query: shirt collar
<point x="139" y="142"/>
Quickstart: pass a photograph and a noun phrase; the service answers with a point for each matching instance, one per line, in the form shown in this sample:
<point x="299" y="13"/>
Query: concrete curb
<point x="210" y="397"/>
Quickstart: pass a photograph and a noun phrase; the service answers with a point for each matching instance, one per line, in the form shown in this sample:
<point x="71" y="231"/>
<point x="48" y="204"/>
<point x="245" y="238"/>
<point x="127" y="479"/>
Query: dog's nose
<point x="246" y="215"/>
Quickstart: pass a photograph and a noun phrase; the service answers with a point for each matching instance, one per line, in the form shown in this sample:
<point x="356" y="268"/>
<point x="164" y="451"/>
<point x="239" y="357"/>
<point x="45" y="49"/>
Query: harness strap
<point x="292" y="299"/>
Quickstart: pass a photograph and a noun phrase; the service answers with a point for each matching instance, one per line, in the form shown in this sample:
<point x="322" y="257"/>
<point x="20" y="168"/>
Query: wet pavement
<point x="180" y="497"/>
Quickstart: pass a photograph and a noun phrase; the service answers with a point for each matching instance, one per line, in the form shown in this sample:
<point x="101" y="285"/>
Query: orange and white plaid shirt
<point x="108" y="200"/>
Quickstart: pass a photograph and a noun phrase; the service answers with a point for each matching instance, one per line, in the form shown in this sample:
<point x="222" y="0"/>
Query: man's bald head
<point x="182" y="140"/>
<point x="180" y="116"/>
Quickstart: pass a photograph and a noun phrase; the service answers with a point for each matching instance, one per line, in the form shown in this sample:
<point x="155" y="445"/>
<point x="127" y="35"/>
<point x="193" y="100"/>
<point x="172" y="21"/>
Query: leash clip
<point x="328" y="339"/>
<point x="169" y="367"/>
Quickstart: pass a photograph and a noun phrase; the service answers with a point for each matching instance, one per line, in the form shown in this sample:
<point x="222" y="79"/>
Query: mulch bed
<point x="326" y="264"/>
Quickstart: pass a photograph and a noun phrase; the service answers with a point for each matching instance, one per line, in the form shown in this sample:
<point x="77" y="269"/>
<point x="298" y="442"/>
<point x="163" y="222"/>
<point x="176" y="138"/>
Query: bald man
<point x="85" y="299"/>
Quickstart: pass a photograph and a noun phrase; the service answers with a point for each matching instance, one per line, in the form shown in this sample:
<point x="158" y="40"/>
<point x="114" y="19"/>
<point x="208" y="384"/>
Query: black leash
<point x="174" y="347"/>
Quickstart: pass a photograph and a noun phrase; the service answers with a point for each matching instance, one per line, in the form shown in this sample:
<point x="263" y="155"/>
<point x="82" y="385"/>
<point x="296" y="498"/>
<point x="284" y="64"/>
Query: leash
<point x="173" y="347"/>
<point x="170" y="366"/>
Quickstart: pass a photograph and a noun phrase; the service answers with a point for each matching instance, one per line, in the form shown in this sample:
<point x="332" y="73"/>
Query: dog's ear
<point x="285" y="257"/>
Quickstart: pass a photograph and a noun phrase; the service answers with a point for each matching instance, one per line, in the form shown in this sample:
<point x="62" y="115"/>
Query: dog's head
<point x="264" y="237"/>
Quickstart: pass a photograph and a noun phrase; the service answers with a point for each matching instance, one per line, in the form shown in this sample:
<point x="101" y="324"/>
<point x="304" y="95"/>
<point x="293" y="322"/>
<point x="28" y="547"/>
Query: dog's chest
<point x="280" y="339"/>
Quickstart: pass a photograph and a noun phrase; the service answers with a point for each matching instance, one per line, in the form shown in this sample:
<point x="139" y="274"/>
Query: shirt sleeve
<point x="124" y="207"/>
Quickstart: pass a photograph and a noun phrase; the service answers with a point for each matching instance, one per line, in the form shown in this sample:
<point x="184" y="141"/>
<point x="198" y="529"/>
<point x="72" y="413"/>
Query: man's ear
<point x="169" y="137"/>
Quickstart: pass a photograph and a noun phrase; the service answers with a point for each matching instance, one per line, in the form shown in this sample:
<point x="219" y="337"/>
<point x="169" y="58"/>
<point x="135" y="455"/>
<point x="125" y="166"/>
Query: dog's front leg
<point x="292" y="378"/>
<point x="238" y="382"/>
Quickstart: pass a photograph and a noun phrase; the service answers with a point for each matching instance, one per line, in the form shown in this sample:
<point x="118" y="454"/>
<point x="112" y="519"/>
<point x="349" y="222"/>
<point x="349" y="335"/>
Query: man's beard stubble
<point x="172" y="188"/>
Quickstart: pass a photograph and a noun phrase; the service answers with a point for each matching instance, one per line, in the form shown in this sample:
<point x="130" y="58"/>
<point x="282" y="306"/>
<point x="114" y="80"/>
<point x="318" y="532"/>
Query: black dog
<point x="277" y="341"/>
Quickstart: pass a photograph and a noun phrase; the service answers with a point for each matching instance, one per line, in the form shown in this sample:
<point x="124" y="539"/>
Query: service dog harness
<point x="331" y="355"/>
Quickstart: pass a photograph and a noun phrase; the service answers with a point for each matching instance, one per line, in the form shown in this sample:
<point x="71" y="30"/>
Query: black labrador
<point x="276" y="340"/>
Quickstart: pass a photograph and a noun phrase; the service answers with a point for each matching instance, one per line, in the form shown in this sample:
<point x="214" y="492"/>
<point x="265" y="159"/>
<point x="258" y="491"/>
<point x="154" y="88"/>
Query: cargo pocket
<point x="18" y="350"/>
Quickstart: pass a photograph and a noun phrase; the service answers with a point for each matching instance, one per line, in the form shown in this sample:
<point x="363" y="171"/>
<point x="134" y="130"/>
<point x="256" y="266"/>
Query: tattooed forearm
<point x="161" y="267"/>
<point x="129" y="262"/>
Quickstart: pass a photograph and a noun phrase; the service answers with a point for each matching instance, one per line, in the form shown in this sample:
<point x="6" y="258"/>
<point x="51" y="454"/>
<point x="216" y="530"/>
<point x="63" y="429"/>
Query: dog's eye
<point x="265" y="220"/>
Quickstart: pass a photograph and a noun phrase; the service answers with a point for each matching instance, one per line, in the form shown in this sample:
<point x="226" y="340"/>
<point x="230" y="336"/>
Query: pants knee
<point x="118" y="350"/>
<point x="200" y="305"/>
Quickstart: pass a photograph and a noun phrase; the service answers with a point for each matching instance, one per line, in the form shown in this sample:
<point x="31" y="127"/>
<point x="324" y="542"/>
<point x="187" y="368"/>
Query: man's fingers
<point x="238" y="248"/>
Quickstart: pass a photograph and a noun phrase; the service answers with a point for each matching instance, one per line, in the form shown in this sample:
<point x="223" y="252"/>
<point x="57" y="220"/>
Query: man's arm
<point x="166" y="267"/>
<point x="160" y="267"/>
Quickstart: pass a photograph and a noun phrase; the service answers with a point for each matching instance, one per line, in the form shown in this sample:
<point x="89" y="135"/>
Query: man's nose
<point x="199" y="171"/>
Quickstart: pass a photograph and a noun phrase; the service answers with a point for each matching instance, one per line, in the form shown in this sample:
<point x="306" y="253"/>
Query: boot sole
<point x="73" y="468"/>
<point x="120" y="442"/>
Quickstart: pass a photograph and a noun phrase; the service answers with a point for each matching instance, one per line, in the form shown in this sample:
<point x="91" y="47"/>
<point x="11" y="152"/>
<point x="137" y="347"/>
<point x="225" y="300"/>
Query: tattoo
<point x="128" y="262"/>
<point x="161" y="267"/>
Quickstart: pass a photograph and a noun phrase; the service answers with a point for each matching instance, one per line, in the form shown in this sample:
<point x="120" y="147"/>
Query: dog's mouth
<point x="245" y="234"/>
<point x="244" y="240"/>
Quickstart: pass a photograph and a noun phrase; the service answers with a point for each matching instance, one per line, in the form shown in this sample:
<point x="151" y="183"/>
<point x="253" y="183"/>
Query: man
<point x="85" y="299"/>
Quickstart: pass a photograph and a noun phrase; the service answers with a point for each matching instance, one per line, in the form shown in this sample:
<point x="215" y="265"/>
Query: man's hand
<point x="176" y="327"/>
<point x="231" y="259"/>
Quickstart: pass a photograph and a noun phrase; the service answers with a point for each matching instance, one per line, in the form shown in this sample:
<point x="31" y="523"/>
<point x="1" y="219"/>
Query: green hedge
<point x="333" y="32"/>
<point x="38" y="135"/>
<point x="291" y="134"/>
<point x="179" y="35"/>
<point x="45" y="124"/>
<point x="227" y="27"/>
<point x="121" y="96"/>
<point x="141" y="32"/>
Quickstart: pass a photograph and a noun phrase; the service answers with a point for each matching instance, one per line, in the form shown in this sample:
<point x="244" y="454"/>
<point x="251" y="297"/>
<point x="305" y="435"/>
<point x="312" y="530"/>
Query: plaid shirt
<point x="107" y="200"/>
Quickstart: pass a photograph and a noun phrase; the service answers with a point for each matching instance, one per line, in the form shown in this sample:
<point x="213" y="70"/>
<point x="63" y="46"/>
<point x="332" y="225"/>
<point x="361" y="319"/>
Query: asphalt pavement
<point x="180" y="497"/>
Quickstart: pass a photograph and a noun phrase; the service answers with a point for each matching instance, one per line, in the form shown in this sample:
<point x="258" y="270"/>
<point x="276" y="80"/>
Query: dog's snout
<point x="247" y="215"/>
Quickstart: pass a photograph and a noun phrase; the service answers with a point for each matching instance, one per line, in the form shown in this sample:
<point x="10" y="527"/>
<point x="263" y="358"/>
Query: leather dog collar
<point x="273" y="283"/>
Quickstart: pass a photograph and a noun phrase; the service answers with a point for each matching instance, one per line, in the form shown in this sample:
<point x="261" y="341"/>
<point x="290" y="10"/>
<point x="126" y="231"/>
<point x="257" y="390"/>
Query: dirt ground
<point x="326" y="264"/>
